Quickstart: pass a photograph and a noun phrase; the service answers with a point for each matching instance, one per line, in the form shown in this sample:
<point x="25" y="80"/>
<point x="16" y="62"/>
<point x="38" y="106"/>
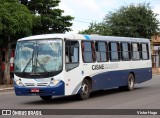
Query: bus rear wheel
<point x="131" y="83"/>
<point x="46" y="98"/>
<point x="85" y="90"/>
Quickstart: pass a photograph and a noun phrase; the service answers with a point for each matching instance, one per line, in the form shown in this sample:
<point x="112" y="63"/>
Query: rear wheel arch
<point x="130" y="83"/>
<point x="133" y="75"/>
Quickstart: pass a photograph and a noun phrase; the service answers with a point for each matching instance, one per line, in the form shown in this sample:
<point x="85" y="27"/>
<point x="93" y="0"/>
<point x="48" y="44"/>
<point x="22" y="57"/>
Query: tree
<point x="128" y="21"/>
<point x="97" y="28"/>
<point x="133" y="21"/>
<point x="15" y="22"/>
<point x="47" y="18"/>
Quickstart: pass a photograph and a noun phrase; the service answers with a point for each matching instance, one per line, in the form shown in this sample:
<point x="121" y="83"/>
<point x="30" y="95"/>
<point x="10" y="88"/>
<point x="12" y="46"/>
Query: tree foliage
<point x="47" y="18"/>
<point x="129" y="21"/>
<point x="15" y="21"/>
<point x="97" y="28"/>
<point x="134" y="20"/>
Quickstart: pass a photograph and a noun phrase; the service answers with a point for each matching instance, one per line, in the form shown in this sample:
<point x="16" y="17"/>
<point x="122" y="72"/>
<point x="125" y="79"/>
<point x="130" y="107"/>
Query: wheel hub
<point x="84" y="89"/>
<point x="130" y="82"/>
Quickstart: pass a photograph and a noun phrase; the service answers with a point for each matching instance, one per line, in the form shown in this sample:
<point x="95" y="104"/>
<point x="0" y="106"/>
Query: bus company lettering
<point x="105" y="66"/>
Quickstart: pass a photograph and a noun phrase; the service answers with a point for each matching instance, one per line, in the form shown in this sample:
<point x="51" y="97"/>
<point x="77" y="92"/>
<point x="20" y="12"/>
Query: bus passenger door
<point x="71" y="67"/>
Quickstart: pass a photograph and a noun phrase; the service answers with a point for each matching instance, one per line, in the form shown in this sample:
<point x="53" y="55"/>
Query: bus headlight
<point x="19" y="83"/>
<point x="54" y="82"/>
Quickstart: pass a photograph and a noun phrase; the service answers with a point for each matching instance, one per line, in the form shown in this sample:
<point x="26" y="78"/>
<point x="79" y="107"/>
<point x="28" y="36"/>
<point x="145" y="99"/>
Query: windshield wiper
<point x="27" y="64"/>
<point x="44" y="69"/>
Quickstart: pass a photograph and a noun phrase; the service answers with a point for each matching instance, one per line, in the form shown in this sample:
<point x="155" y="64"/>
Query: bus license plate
<point x="35" y="90"/>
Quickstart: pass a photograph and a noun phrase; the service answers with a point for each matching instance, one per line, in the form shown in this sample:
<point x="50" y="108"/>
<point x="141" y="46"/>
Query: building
<point x="155" y="44"/>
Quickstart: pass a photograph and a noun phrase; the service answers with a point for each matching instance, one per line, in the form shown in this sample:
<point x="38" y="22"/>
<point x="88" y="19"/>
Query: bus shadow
<point x="73" y="98"/>
<point x="110" y="92"/>
<point x="54" y="100"/>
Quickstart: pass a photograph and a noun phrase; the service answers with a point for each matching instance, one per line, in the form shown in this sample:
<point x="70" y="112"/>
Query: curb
<point x="155" y="74"/>
<point x="9" y="88"/>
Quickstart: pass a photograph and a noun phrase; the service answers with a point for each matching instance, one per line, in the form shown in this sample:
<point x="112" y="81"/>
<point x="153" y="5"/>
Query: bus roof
<point x="85" y="37"/>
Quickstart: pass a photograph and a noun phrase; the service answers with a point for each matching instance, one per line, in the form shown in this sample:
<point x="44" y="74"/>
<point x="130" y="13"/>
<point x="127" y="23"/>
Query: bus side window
<point x="125" y="54"/>
<point x="101" y="51"/>
<point x="71" y="54"/>
<point x="114" y="49"/>
<point x="135" y="51"/>
<point x="88" y="51"/>
<point x="145" y="51"/>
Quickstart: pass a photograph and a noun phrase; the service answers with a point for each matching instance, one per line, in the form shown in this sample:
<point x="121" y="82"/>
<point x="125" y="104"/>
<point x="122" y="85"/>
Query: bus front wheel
<point x="85" y="90"/>
<point x="46" y="98"/>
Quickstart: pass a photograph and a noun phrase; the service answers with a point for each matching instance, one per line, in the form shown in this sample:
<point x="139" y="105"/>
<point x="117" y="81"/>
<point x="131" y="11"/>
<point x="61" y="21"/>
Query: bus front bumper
<point x="41" y="91"/>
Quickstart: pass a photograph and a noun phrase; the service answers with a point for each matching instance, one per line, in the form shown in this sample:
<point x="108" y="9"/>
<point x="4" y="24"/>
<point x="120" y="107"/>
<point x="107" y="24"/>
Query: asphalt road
<point x="145" y="96"/>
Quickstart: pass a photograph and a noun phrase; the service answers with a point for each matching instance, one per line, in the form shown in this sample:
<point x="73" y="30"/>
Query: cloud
<point x="78" y="27"/>
<point x="67" y="10"/>
<point x="89" y="5"/>
<point x="156" y="10"/>
<point x="84" y="11"/>
<point x="82" y="8"/>
<point x="108" y="4"/>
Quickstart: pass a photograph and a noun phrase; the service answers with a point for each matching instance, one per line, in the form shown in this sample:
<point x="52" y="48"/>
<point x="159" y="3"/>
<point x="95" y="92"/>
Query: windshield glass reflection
<point x="38" y="56"/>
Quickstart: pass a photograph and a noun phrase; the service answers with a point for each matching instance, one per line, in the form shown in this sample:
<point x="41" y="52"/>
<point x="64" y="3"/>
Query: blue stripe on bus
<point x="119" y="78"/>
<point x="87" y="37"/>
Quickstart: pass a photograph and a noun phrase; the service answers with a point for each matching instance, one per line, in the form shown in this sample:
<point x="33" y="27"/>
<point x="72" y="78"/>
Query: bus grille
<point x="29" y="84"/>
<point x="38" y="84"/>
<point x="42" y="84"/>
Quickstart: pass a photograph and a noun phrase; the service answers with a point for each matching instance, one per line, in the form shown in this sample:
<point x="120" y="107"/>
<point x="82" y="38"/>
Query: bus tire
<point x="131" y="82"/>
<point x="85" y="90"/>
<point x="46" y="98"/>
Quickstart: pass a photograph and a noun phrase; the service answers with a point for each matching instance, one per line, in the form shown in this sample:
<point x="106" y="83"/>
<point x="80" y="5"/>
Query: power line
<point x="88" y="21"/>
<point x="85" y="19"/>
<point x="82" y="21"/>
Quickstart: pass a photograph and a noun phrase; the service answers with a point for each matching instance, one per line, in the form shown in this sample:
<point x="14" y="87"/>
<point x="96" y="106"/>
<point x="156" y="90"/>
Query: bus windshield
<point x="38" y="56"/>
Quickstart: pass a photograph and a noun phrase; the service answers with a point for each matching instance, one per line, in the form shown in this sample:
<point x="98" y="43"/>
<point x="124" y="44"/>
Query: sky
<point x="87" y="11"/>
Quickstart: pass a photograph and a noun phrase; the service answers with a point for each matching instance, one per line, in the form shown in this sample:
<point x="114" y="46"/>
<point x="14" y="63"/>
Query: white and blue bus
<point x="65" y="64"/>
